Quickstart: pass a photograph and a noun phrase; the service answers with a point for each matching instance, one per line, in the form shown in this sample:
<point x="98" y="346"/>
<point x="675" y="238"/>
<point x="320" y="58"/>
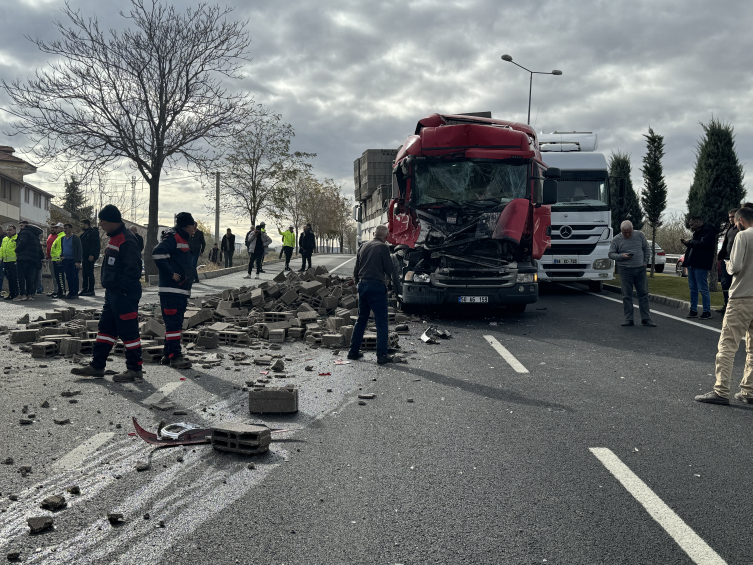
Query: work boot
<point x="355" y="355"/>
<point x="165" y="360"/>
<point x="128" y="376"/>
<point x="648" y="323"/>
<point x="744" y="398"/>
<point x="88" y="371"/>
<point x="384" y="359"/>
<point x="711" y="398"/>
<point x="705" y="316"/>
<point x="180" y="363"/>
<point x="692" y="314"/>
<point x="628" y="323"/>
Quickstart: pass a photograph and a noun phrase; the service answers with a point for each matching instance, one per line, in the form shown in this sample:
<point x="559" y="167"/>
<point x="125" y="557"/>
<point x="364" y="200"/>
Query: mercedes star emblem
<point x="566" y="232"/>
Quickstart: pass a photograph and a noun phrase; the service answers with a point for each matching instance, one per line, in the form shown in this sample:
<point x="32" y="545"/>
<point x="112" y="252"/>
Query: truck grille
<point x="571" y="249"/>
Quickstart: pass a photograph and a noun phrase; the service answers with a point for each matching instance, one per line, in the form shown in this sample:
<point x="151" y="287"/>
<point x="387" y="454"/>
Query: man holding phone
<point x="631" y="252"/>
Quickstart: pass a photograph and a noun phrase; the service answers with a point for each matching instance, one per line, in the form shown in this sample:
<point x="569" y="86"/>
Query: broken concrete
<point x="39" y="524"/>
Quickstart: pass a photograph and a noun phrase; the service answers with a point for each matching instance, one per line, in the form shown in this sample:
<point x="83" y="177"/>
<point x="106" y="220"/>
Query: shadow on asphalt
<point x="481" y="390"/>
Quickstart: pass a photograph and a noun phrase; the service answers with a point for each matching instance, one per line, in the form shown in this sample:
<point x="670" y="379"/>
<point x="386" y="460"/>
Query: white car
<point x="660" y="258"/>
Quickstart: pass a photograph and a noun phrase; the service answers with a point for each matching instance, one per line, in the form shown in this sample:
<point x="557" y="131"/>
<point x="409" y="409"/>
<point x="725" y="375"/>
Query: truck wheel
<point x="516" y="308"/>
<point x="595" y="286"/>
<point x="659" y="268"/>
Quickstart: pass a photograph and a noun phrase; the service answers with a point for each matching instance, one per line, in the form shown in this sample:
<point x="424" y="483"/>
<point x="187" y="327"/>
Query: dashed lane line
<point x="73" y="459"/>
<point x="162" y="393"/>
<point x="690" y="542"/>
<point x="506" y="355"/>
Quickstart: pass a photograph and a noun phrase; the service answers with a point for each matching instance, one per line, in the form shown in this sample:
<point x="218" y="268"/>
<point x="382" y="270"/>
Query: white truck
<point x="582" y="217"/>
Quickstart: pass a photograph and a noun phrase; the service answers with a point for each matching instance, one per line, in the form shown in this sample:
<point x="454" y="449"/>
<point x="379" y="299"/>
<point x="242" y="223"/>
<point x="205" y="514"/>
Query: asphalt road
<point x="581" y="445"/>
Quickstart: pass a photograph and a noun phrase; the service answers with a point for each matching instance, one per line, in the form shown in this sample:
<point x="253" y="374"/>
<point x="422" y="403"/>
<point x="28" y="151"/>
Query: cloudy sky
<point x="352" y="75"/>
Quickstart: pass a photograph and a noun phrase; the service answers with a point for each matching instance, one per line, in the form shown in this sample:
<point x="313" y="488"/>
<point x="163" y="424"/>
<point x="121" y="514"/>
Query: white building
<point x="35" y="205"/>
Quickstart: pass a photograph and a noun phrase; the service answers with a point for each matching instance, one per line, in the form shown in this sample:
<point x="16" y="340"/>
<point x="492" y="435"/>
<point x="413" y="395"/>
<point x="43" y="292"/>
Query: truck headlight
<point x="602" y="264"/>
<point x="417" y="277"/>
<point x="527" y="277"/>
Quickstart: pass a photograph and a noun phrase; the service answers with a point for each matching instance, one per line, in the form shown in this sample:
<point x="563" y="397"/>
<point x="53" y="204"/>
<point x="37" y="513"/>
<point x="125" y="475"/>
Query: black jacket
<point x="90" y="243"/>
<point x="121" y="264"/>
<point x="28" y="247"/>
<point x="729" y="239"/>
<point x="196" y="243"/>
<point x="214" y="255"/>
<point x="228" y="242"/>
<point x="172" y="255"/>
<point x="307" y="241"/>
<point x="702" y="248"/>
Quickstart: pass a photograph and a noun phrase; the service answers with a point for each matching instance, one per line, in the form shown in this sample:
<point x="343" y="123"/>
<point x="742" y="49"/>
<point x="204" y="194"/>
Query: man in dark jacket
<point x="2" y="273"/>
<point x="137" y="235"/>
<point x="29" y="257"/>
<point x="121" y="278"/>
<point x="72" y="256"/>
<point x="227" y="247"/>
<point x="176" y="273"/>
<point x="373" y="266"/>
<point x="197" y="245"/>
<point x="699" y="259"/>
<point x="724" y="277"/>
<point x="307" y="246"/>
<point x="91" y="246"/>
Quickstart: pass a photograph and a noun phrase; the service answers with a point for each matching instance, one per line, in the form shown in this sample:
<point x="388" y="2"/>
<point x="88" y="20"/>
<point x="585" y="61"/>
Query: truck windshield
<point x="582" y="190"/>
<point x="469" y="182"/>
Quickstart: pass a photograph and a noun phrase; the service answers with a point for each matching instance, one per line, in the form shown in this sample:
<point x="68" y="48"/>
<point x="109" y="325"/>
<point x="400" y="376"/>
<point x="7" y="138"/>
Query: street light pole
<point x="530" y="83"/>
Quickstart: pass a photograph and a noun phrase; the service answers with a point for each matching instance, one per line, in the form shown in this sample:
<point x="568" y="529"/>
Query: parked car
<point x="660" y="258"/>
<point x="679" y="269"/>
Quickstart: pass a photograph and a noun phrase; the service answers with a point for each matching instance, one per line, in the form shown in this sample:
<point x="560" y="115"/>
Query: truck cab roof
<point x="575" y="161"/>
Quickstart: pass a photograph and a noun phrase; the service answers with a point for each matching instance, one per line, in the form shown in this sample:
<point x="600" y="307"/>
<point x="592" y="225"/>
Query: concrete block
<point x="67" y="314"/>
<point x="199" y="317"/>
<point x="263" y="360"/>
<point x="347" y="333"/>
<point x="332" y="340"/>
<point x="152" y="328"/>
<point x="283" y="325"/>
<point x="277" y="336"/>
<point x="329" y="302"/>
<point x="337" y="291"/>
<point x="70" y="346"/>
<point x="189" y="336"/>
<point x="280" y="277"/>
<point x="54" y="316"/>
<point x="208" y="339"/>
<point x="152" y="354"/>
<point x="310" y="287"/>
<point x="334" y="323"/>
<point x="308" y="316"/>
<point x="273" y="400"/>
<point x="321" y="270"/>
<point x="305" y="308"/>
<point x="247" y="439"/>
<point x="44" y="349"/>
<point x="297" y="333"/>
<point x="289" y="297"/>
<point x="349" y="301"/>
<point x="23" y="336"/>
<point x="275" y="316"/>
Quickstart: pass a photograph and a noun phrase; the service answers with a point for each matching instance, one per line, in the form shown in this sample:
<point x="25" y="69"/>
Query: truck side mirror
<point x="549" y="195"/>
<point x="552" y="173"/>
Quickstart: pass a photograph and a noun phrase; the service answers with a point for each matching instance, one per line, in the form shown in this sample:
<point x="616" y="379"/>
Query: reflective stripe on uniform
<point x="172" y="335"/>
<point x="174" y="290"/>
<point x="133" y="343"/>
<point x="182" y="245"/>
<point x="104" y="338"/>
<point x="155" y="257"/>
<point x="115" y="247"/>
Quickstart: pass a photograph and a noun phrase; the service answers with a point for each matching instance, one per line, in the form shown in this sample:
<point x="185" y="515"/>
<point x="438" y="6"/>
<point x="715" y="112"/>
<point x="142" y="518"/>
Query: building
<point x="35" y="205"/>
<point x="12" y="185"/>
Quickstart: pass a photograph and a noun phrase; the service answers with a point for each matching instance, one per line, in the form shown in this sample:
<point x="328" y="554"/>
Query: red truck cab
<point x="469" y="215"/>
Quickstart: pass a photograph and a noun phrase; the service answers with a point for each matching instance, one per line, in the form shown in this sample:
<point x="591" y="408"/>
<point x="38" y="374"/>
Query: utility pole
<point x="217" y="211"/>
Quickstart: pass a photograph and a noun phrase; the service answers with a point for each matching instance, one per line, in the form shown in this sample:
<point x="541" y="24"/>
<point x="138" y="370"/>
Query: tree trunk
<point x="152" y="228"/>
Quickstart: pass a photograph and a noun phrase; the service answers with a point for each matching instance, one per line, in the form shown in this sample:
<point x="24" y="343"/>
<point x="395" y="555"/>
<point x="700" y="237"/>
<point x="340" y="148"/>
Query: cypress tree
<point x="628" y="209"/>
<point x="717" y="178"/>
<point x="74" y="200"/>
<point x="654" y="193"/>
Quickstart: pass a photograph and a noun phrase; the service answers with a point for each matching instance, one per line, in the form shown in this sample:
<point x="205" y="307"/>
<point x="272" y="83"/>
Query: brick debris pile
<point x="316" y="306"/>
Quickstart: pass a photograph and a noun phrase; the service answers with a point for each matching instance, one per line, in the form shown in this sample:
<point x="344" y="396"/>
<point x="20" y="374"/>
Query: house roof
<point x="6" y="156"/>
<point x="39" y="190"/>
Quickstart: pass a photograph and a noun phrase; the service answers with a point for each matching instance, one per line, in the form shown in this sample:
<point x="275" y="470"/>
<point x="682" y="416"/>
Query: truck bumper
<point x="522" y="293"/>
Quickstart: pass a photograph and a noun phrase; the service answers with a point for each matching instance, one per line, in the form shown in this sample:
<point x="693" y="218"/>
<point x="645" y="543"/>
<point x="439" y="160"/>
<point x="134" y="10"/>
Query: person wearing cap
<point x="120" y="276"/>
<point x="56" y="252"/>
<point x="173" y="257"/>
<point x="288" y="243"/>
<point x="8" y="257"/>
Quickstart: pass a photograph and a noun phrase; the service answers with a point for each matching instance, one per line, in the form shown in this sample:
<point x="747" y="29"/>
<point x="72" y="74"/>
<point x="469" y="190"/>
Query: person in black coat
<point x="139" y="238"/>
<point x="227" y="247"/>
<point x="307" y="246"/>
<point x="29" y="257"/>
<point x="91" y="247"/>
<point x="196" y="244"/>
<point x="699" y="259"/>
<point x="724" y="277"/>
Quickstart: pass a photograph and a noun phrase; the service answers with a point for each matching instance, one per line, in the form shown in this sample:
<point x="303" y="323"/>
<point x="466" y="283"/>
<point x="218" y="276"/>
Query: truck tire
<point x="516" y="308"/>
<point x="595" y="286"/>
<point x="659" y="268"/>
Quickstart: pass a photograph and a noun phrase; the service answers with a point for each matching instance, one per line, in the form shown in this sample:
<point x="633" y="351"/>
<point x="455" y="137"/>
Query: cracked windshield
<point x="469" y="182"/>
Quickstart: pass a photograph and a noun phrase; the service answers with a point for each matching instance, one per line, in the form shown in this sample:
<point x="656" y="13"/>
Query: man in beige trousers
<point x="738" y="319"/>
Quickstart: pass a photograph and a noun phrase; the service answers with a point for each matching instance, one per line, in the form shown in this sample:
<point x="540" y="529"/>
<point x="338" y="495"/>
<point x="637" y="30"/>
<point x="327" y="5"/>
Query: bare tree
<point x="149" y="96"/>
<point x="257" y="167"/>
<point x="292" y="205"/>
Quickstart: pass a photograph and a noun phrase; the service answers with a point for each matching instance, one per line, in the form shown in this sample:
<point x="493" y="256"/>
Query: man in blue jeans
<point x="373" y="266"/>
<point x="699" y="258"/>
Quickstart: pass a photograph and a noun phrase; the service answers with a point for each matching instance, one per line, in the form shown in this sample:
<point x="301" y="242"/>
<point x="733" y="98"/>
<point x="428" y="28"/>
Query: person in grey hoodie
<point x="631" y="252"/>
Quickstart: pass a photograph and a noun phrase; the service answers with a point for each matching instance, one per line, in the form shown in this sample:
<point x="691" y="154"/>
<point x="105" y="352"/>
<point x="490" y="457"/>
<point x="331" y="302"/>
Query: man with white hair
<point x="631" y="252"/>
<point x="373" y="266"/>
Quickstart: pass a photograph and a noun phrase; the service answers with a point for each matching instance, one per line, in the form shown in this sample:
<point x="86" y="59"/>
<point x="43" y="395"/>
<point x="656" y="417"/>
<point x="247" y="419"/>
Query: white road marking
<point x="341" y="264"/>
<point x="74" y="459"/>
<point x="162" y="393"/>
<point x="697" y="549"/>
<point x="705" y="327"/>
<point x="506" y="355"/>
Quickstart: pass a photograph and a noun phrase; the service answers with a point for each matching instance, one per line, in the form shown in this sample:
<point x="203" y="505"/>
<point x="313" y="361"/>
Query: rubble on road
<point x="39" y="524"/>
<point x="54" y="502"/>
<point x="316" y="307"/>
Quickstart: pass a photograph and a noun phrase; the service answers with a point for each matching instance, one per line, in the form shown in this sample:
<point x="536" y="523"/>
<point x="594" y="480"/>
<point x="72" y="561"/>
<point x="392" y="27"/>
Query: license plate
<point x="473" y="299"/>
<point x="566" y="261"/>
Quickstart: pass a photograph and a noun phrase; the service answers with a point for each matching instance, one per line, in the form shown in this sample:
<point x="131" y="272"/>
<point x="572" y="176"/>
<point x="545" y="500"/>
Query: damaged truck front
<point x="469" y="215"/>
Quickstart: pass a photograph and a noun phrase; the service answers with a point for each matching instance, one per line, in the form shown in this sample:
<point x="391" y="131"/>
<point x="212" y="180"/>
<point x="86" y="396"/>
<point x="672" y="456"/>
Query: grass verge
<point x="676" y="287"/>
